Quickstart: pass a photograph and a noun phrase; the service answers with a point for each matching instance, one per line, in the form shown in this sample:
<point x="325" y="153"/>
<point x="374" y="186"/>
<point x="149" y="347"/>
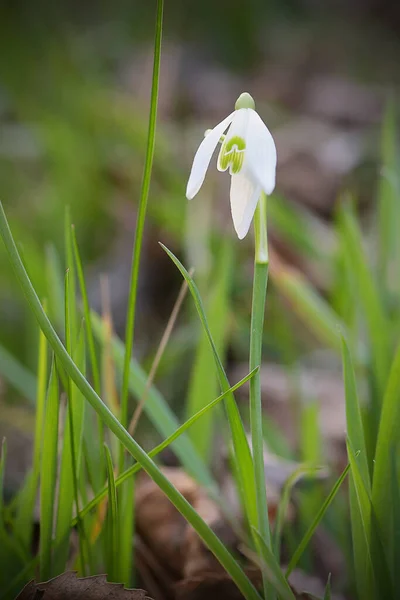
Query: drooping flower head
<point x="248" y="151"/>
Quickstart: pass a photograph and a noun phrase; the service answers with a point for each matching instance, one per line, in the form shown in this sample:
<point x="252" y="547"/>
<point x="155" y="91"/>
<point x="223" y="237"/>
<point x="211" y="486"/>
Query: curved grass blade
<point x="244" y="461"/>
<point x="309" y="533"/>
<point x="299" y="473"/>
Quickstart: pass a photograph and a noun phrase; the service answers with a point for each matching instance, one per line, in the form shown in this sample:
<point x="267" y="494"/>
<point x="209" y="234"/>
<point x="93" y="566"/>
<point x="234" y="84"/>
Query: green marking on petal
<point x="232" y="154"/>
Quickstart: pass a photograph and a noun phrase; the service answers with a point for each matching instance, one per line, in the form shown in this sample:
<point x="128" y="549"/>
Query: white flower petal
<point x="244" y="198"/>
<point x="260" y="153"/>
<point x="203" y="156"/>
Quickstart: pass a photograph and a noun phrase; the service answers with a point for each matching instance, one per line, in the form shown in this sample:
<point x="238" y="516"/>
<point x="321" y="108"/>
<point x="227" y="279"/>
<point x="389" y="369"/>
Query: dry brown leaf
<point x="68" y="586"/>
<point x="167" y="533"/>
<point x="214" y="586"/>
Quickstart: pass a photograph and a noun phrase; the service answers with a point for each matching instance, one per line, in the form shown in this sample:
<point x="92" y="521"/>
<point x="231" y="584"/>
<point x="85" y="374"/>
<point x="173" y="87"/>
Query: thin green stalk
<point x="130" y="320"/>
<point x="256" y="335"/>
<point x="74" y="462"/>
<point x="90" y="337"/>
<point x="86" y="312"/>
<point x="180" y="503"/>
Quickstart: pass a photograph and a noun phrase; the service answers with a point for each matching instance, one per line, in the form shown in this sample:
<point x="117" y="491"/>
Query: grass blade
<point x="327" y="593"/>
<point x="273" y="571"/>
<point x="299" y="473"/>
<point x="387" y="443"/>
<point x="24" y="516"/>
<point x="368" y="297"/>
<point x="355" y="429"/>
<point x="48" y="476"/>
<point x="112" y="521"/>
<point x="144" y="194"/>
<point x="203" y="384"/>
<point x="244" y="461"/>
<point x="86" y="313"/>
<point x="309" y="533"/>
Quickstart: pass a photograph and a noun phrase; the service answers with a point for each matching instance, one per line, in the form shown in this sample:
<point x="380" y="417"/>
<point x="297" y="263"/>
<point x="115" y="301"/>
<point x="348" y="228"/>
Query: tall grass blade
<point x="387" y="444"/>
<point x="203" y="384"/>
<point x="48" y="476"/>
<point x="244" y="461"/>
<point x="355" y="428"/>
<point x="368" y="297"/>
<point x="25" y="511"/>
<point x="112" y="521"/>
<point x="72" y="449"/>
<point x="144" y="194"/>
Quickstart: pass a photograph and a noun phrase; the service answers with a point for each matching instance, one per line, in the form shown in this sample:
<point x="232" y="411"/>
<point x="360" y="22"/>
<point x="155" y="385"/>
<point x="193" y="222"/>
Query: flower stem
<point x="257" y="324"/>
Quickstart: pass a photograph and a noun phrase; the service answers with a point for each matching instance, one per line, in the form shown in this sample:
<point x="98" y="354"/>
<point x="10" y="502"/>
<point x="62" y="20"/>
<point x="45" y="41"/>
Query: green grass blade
<point x="55" y="287"/>
<point x="244" y="461"/>
<point x="355" y="429"/>
<point x="368" y="297"/>
<point x="112" y="521"/>
<point x="70" y="296"/>
<point x="377" y="579"/>
<point x="309" y="533"/>
<point x="156" y="408"/>
<point x="24" y="517"/>
<point x="387" y="443"/>
<point x="181" y="504"/>
<point x="135" y="468"/>
<point x="395" y="502"/>
<point x="86" y="313"/>
<point x="203" y="384"/>
<point x="144" y="194"/>
<point x="126" y="536"/>
<point x="48" y="476"/>
<point x="301" y="472"/>
<point x="273" y="572"/>
<point x="18" y="376"/>
<point x="72" y="449"/>
<point x="327" y="593"/>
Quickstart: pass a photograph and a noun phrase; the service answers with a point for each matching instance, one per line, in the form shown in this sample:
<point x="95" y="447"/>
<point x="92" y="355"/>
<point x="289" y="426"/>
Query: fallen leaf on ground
<point x="68" y="586"/>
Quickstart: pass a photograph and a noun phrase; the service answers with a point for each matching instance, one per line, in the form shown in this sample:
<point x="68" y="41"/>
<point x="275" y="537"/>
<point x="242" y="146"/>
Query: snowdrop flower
<point x="248" y="151"/>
